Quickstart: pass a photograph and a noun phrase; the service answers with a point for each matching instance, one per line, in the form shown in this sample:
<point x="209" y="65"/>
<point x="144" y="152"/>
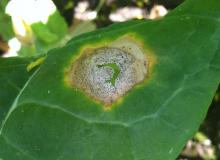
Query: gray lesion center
<point x="108" y="73"/>
<point x="116" y="70"/>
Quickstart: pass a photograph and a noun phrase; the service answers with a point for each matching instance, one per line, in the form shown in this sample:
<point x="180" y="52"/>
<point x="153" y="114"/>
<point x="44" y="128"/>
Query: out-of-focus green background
<point x="24" y="32"/>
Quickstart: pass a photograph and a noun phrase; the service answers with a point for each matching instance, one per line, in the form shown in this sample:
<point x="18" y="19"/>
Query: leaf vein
<point x="17" y="148"/>
<point x="52" y="106"/>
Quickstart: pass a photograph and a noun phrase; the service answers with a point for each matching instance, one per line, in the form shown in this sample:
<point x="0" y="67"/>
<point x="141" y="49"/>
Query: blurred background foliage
<point x="40" y="25"/>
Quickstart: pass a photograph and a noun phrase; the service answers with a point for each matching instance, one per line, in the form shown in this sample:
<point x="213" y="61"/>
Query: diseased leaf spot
<point x="116" y="72"/>
<point x="107" y="73"/>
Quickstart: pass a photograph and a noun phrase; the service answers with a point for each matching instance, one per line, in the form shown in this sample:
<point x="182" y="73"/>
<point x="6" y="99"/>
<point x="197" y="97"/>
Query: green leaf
<point x="50" y="32"/>
<point x="53" y="21"/>
<point x="6" y="31"/>
<point x="52" y="118"/>
<point x="27" y="50"/>
<point x="83" y="27"/>
<point x="13" y="76"/>
<point x="3" y="4"/>
<point x="43" y="33"/>
<point x="46" y="35"/>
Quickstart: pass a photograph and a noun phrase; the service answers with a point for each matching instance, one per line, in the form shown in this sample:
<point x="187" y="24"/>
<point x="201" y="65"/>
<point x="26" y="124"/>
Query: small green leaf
<point x="57" y="24"/>
<point x="6" y="31"/>
<point x="43" y="33"/>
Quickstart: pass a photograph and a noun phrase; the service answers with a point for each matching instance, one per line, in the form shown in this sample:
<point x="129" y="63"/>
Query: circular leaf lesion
<point x="109" y="72"/>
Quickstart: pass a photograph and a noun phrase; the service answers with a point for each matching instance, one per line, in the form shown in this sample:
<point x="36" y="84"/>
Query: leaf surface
<point x="13" y="76"/>
<point x="52" y="120"/>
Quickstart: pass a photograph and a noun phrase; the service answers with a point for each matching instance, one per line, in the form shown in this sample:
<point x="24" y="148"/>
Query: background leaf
<point x="6" y="30"/>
